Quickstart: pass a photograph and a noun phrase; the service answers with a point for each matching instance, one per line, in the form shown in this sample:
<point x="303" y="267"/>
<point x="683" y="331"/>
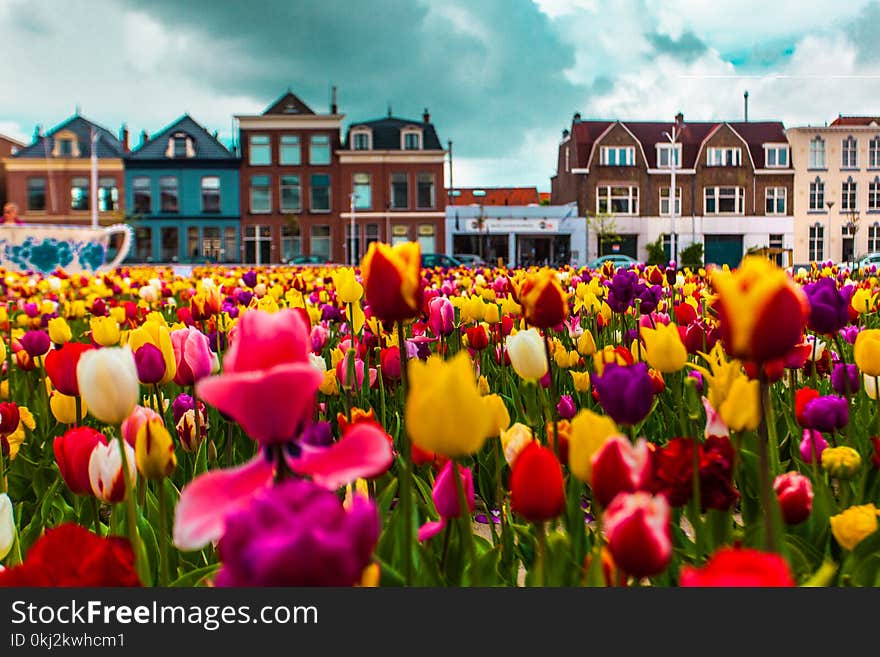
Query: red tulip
<point x="61" y="367"/>
<point x="795" y="495"/>
<point x="739" y="567"/>
<point x="537" y="490"/>
<point x="639" y="537"/>
<point x="477" y="338"/>
<point x="620" y="467"/>
<point x="801" y="398"/>
<point x="9" y="418"/>
<point x="72" y="453"/>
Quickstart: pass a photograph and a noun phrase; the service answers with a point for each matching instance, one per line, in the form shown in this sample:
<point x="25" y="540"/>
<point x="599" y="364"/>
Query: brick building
<point x="8" y="148"/>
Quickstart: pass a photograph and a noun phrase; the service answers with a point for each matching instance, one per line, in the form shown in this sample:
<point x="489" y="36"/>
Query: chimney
<point x="565" y="133"/>
<point x="215" y="134"/>
<point x="38" y="132"/>
<point x="746" y="106"/>
<point x="145" y="137"/>
<point x="577" y="117"/>
<point x="123" y="137"/>
<point x="334" y="108"/>
<point x="679" y="119"/>
<point x="426" y="117"/>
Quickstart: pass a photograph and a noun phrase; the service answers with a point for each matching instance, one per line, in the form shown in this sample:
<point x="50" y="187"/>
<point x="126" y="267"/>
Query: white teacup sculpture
<point x="44" y="248"/>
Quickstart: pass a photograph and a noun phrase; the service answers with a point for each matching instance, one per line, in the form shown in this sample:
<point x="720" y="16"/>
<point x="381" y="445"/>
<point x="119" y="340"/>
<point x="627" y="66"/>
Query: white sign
<point x="513" y="225"/>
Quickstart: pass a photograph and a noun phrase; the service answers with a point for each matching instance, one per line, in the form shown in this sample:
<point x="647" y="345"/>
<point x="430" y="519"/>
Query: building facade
<point x="8" y="148"/>
<point x="50" y="179"/>
<point x="392" y="187"/>
<point x="289" y="182"/>
<point x="182" y="195"/>
<point x="837" y="189"/>
<point x="733" y="186"/>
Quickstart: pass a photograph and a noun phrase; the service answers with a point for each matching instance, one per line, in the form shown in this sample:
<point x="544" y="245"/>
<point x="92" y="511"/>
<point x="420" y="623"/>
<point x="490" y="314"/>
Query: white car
<point x="867" y="260"/>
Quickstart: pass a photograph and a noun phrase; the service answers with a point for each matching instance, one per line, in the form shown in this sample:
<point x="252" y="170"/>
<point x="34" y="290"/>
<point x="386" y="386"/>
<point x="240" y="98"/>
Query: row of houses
<point x="738" y="185"/>
<point x="293" y="186"/>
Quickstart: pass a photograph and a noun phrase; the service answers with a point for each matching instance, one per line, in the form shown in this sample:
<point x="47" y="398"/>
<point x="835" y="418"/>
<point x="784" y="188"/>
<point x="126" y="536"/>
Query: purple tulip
<point x="566" y="407"/>
<point x="297" y="534"/>
<point x="829" y="308"/>
<point x="812" y="442"/>
<point x="249" y="278"/>
<point x="150" y="363"/>
<point x="622" y="290"/>
<point x="35" y="343"/>
<point x="828" y="413"/>
<point x="850" y="333"/>
<point x="318" y="434"/>
<point x="181" y="404"/>
<point x="625" y="393"/>
<point x="649" y="299"/>
<point x="244" y="297"/>
<point x="845" y="379"/>
<point x="218" y="340"/>
<point x="700" y="383"/>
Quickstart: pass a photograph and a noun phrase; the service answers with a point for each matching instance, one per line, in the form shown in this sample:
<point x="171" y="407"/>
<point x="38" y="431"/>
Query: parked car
<point x="439" y="260"/>
<point x="867" y="260"/>
<point x="471" y="260"/>
<point x="619" y="260"/>
<point x="309" y="260"/>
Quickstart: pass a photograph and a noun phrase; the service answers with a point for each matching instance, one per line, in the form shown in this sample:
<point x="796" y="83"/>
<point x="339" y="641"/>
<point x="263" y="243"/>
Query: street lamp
<point x="673" y="163"/>
<point x="830" y="205"/>
<point x="352" y="256"/>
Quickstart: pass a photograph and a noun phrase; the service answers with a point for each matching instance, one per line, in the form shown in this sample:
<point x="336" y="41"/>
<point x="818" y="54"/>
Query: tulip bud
<point x="154" y="450"/>
<point x="867" y="352"/>
<point x="543" y="301"/>
<point x="566" y="407"/>
<point x="7" y="526"/>
<point x="108" y="383"/>
<point x="105" y="331"/>
<point x="637" y="526"/>
<point x="620" y="467"/>
<point x="72" y="453"/>
<point x="537" y="490"/>
<point x="853" y="525"/>
<point x="527" y="355"/>
<point x="35" y="343"/>
<point x="59" y="330"/>
<point x="841" y="462"/>
<point x="795" y="495"/>
<point x="106" y="473"/>
<point x="812" y="445"/>
<point x="9" y="418"/>
<point x="186" y="431"/>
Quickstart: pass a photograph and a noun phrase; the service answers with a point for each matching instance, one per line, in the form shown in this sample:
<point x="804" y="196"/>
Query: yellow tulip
<point x="118" y="314"/>
<point x="59" y="330"/>
<point x="105" y="331"/>
<point x="491" y="314"/>
<point x="862" y="301"/>
<point x="329" y="386"/>
<point x="867" y="352"/>
<point x="154" y="450"/>
<point x="483" y="385"/>
<point x="348" y="289"/>
<point x="64" y="407"/>
<point x="497" y="410"/>
<point x="720" y="376"/>
<point x="853" y="525"/>
<point x="448" y="390"/>
<point x="589" y="431"/>
<point x="741" y="410"/>
<point x="16" y="438"/>
<point x="581" y="381"/>
<point x="586" y="344"/>
<point x="159" y="336"/>
<point x="607" y="356"/>
<point x="666" y="351"/>
<point x="514" y="440"/>
<point x="842" y="462"/>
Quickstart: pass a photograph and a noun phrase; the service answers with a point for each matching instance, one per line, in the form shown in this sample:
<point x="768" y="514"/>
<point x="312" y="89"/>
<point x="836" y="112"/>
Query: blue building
<point x="182" y="197"/>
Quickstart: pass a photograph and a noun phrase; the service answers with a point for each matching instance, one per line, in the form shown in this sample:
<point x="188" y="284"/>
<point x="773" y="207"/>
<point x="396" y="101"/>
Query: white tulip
<point x="7" y="526"/>
<point x="870" y="386"/>
<point x="527" y="355"/>
<point x="318" y="362"/>
<point x="108" y="383"/>
<point x="105" y="471"/>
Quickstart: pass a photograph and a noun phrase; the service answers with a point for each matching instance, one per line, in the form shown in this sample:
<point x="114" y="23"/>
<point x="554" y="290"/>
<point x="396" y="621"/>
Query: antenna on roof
<point x="389" y="108"/>
<point x="77" y="110"/>
<point x="746" y="104"/>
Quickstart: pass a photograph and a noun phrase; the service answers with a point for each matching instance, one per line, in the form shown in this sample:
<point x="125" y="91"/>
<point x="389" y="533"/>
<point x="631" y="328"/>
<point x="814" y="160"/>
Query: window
<point x="849" y="154"/>
<point x="261" y="195"/>
<point x="371" y="234"/>
<point x="723" y="200"/>
<point x="617" y="200"/>
<point x="211" y="243"/>
<point x="412" y="141"/>
<point x="211" y="194"/>
<point x="321" y="241"/>
<point x="667" y="157"/>
<point x="319" y="149"/>
<point x="230" y="245"/>
<point x="291" y="194"/>
<point x="664" y="201"/>
<point x="179" y="146"/>
<point x="168" y="196"/>
<point x="777" y="156"/>
<point x="108" y="195"/>
<point x="65" y="147"/>
<point x="79" y="194"/>
<point x="817" y="153"/>
<point x="617" y="156"/>
<point x="724" y="157"/>
<point x="143" y="245"/>
<point x="399" y="191"/>
<point x="874" y="153"/>
<point x="426" y="238"/>
<point x="776" y="240"/>
<point x="362" y="191"/>
<point x="361" y="141"/>
<point x="291" y="242"/>
<point x="775" y="200"/>
<point x="259" y="151"/>
<point x="817" y="195"/>
<point x="874" y="237"/>
<point x="399" y="235"/>
<point x="817" y="243"/>
<point x="848" y="198"/>
<point x="874" y="194"/>
<point x="192" y="242"/>
<point x="36" y="194"/>
<point x="319" y="201"/>
<point x="425" y="190"/>
<point x="352" y="245"/>
<point x="169" y="244"/>
<point x="290" y="152"/>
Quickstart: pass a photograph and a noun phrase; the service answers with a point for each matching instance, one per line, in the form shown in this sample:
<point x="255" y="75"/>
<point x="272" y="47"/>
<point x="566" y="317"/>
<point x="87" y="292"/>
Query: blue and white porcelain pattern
<point x="47" y="249"/>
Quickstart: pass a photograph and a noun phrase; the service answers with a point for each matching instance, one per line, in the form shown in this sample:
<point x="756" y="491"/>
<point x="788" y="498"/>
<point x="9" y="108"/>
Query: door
<point x="619" y="245"/>
<point x="723" y="250"/>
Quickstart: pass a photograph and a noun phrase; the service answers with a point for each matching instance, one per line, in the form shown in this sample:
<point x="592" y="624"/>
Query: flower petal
<point x="430" y="529"/>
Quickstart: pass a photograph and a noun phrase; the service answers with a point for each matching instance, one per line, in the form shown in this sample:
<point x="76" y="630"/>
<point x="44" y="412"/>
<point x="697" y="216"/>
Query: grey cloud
<point x="686" y="48"/>
<point x="862" y="31"/>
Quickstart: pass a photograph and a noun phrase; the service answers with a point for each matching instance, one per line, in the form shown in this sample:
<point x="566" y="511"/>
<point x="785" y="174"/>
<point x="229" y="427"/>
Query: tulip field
<point x="391" y="425"/>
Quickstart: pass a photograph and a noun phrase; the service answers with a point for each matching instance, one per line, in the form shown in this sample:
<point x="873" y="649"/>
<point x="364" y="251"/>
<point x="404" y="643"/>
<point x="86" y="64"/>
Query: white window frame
<point x="664" y="200"/>
<point x="874" y="153"/>
<point x="268" y="145"/>
<point x="874" y="237"/>
<point x="604" y="192"/>
<point x="411" y="131"/>
<point x="251" y="187"/>
<point x="817" y="153"/>
<point x="716" y="156"/>
<point x="361" y="132"/>
<point x="776" y="149"/>
<point x="874" y="194"/>
<point x="850" y="146"/>
<point x="716" y="194"/>
<point x="628" y="151"/>
<point x="816" y="192"/>
<point x="773" y="194"/>
<point x="816" y="243"/>
<point x="847" y="194"/>
<point x="666" y="148"/>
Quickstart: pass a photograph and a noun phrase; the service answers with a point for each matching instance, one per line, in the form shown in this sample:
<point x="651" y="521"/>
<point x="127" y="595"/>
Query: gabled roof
<point x="108" y="146"/>
<point x="856" y="120"/>
<point x="289" y="103"/>
<point x="14" y="142"/>
<point x="494" y="196"/>
<point x="386" y="133"/>
<point x="207" y="147"/>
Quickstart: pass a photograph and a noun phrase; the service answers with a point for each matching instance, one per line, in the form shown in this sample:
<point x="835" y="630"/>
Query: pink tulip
<point x="637" y="526"/>
<point x="268" y="384"/>
<point x="319" y="337"/>
<point x="795" y="495"/>
<point x="445" y="497"/>
<point x="132" y="424"/>
<point x="105" y="471"/>
<point x="441" y="315"/>
<point x="620" y="467"/>
<point x="192" y="351"/>
<point x="812" y="445"/>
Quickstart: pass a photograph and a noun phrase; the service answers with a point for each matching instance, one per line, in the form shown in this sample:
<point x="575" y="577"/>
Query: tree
<point x="692" y="256"/>
<point x="656" y="253"/>
<point x="605" y="227"/>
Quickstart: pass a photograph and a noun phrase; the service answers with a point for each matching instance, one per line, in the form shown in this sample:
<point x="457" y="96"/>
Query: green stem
<point x="79" y="416"/>
<point x="406" y="455"/>
<point x="131" y="513"/>
<point x="541" y="553"/>
<point x="163" y="535"/>
<point x="551" y="408"/>
<point x="765" y="473"/>
<point x="96" y="511"/>
<point x="467" y="530"/>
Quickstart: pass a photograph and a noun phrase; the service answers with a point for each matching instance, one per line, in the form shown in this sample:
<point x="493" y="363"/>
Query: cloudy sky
<point x="501" y="78"/>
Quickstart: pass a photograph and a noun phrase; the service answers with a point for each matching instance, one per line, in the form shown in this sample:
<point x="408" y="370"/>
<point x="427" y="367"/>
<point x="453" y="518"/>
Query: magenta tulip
<point x="192" y="352"/>
<point x="440" y="316"/>
<point x="445" y="496"/>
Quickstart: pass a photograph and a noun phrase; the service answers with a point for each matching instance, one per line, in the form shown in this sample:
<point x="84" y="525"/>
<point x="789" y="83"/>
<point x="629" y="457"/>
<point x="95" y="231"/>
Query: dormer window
<point x="65" y="147"/>
<point x="412" y="140"/>
<point x="360" y="140"/>
<point x="667" y="156"/>
<point x="180" y="146"/>
<point x="723" y="157"/>
<point x="65" y="144"/>
<point x="776" y="156"/>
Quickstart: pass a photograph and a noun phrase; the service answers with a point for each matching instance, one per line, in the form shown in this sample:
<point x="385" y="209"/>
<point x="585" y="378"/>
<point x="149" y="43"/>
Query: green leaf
<point x="193" y="577"/>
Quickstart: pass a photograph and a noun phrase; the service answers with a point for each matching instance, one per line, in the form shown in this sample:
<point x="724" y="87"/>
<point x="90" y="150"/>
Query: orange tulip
<point x="543" y="301"/>
<point x="393" y="280"/>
